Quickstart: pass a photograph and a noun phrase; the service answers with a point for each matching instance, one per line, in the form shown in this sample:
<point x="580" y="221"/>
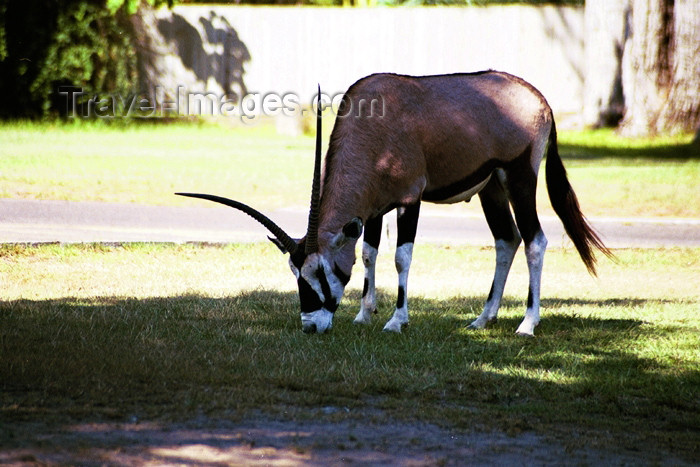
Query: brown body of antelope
<point x="400" y="140"/>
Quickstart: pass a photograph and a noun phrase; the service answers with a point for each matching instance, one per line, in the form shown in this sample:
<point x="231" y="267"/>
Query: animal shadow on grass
<point x="187" y="354"/>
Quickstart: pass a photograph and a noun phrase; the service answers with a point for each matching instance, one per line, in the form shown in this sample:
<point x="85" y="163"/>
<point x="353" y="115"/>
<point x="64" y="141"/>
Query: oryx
<point x="441" y="139"/>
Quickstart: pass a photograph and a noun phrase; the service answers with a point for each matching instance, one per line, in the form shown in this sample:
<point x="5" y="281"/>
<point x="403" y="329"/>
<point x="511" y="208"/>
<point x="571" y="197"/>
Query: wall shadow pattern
<point x="224" y="57"/>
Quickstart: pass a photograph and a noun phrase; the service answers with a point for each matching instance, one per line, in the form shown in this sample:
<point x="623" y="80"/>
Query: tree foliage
<point x="47" y="48"/>
<point x="90" y="50"/>
<point x="390" y="2"/>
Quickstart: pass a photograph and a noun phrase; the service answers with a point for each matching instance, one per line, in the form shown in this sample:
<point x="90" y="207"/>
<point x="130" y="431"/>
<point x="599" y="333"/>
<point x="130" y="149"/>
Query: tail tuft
<point x="565" y="204"/>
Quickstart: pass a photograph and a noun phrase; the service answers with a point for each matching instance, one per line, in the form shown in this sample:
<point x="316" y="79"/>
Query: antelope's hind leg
<point x="522" y="186"/>
<point x="370" y="246"/>
<point x="407" y="223"/>
<point x="494" y="202"/>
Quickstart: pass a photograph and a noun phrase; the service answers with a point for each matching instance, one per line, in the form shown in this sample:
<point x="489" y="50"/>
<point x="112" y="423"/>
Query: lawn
<point x="168" y="332"/>
<point x="146" y="164"/>
<point x="171" y="331"/>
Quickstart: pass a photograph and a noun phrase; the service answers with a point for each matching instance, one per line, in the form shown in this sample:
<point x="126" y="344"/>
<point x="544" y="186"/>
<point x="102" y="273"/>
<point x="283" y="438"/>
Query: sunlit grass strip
<point x="145" y="164"/>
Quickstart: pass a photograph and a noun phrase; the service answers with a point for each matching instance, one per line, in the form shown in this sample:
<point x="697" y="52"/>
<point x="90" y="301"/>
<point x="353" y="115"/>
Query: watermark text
<point x="184" y="102"/>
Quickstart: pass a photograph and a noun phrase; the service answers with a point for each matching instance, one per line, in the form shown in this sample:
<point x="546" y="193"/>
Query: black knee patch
<point x="401" y="298"/>
<point x="407" y="224"/>
<point x="490" y="293"/>
<point x="373" y="232"/>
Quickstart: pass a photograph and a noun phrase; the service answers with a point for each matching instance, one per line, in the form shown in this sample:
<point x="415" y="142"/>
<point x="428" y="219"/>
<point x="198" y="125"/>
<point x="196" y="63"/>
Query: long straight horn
<point x="288" y="242"/>
<point x="312" y="230"/>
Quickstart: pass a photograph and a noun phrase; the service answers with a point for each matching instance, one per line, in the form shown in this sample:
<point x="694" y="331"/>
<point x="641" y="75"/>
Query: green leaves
<point x="91" y="49"/>
<point x="130" y="6"/>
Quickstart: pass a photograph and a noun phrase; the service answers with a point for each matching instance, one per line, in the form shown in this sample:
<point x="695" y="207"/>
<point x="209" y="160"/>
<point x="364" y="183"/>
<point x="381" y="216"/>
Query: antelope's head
<point x="321" y="267"/>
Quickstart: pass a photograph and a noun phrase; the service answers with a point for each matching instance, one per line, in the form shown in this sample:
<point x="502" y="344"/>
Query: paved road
<point x="68" y="222"/>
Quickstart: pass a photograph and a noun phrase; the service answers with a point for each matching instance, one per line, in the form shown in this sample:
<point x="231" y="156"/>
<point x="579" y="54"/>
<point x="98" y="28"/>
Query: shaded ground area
<point x="263" y="441"/>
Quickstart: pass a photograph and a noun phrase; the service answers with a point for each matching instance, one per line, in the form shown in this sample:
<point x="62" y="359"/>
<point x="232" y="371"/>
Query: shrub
<point x="91" y="50"/>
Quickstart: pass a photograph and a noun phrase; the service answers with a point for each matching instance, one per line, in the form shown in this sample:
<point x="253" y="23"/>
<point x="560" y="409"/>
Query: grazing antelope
<point x="441" y="139"/>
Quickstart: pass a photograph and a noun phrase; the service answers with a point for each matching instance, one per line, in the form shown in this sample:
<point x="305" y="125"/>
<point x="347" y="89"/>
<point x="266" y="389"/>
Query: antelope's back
<point x="420" y="134"/>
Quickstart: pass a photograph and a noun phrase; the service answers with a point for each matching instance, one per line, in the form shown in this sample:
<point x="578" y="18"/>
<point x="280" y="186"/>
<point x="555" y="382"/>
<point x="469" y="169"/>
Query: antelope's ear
<point x="278" y="244"/>
<point x="351" y="231"/>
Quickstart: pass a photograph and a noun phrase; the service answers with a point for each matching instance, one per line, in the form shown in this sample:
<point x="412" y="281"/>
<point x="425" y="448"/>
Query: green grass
<point x="146" y="164"/>
<point x="171" y="331"/>
<point x="621" y="177"/>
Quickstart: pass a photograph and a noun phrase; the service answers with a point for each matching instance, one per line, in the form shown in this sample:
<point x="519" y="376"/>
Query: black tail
<point x="565" y="204"/>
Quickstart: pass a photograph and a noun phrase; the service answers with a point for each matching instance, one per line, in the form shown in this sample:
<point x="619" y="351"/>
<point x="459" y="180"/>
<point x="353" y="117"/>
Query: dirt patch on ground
<point x="265" y="441"/>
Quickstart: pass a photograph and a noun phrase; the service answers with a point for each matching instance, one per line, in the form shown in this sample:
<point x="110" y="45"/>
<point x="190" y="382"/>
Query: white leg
<point x="404" y="253"/>
<point x="535" y="259"/>
<point x="505" y="252"/>
<point x="369" y="292"/>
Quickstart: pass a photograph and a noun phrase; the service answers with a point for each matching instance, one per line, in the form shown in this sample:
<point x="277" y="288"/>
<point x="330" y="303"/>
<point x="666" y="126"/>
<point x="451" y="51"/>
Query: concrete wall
<point x="233" y="50"/>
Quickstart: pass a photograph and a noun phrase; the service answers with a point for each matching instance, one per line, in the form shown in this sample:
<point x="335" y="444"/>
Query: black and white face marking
<point x="320" y="289"/>
<point x="321" y="280"/>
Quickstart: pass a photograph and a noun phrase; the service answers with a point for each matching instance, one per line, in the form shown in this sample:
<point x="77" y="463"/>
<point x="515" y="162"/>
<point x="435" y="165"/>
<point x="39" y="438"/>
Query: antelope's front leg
<point x="407" y="223"/>
<point x="370" y="246"/>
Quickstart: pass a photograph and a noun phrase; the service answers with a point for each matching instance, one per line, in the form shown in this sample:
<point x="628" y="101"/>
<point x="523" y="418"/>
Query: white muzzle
<point x="318" y="321"/>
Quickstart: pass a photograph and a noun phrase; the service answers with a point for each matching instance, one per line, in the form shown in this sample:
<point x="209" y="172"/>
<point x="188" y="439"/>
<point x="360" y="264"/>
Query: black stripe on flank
<point x="460" y="186"/>
<point x="401" y="299"/>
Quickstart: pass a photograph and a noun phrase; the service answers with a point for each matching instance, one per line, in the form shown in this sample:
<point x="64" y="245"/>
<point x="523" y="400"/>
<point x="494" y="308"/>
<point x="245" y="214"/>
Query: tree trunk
<point x="661" y="68"/>
<point x="606" y="31"/>
<point x="681" y="110"/>
<point x="645" y="65"/>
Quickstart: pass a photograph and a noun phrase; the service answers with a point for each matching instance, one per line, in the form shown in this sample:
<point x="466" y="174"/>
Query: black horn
<point x="288" y="242"/>
<point x="312" y="230"/>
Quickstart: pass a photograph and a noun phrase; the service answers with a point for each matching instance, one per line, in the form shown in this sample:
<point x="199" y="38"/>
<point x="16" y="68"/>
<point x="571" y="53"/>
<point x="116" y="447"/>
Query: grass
<point x="146" y="164"/>
<point x="622" y="177"/>
<point x="171" y="331"/>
